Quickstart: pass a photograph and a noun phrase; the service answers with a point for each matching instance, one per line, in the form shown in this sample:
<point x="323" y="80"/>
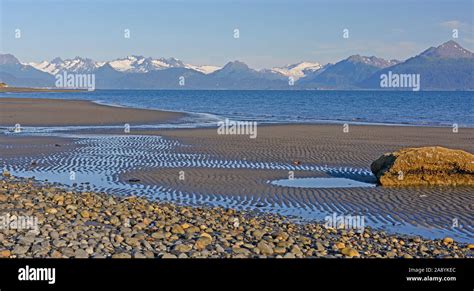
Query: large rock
<point x="425" y="166"/>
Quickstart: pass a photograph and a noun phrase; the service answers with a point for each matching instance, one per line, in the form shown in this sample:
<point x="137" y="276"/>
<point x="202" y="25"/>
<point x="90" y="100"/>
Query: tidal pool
<point x="321" y="183"/>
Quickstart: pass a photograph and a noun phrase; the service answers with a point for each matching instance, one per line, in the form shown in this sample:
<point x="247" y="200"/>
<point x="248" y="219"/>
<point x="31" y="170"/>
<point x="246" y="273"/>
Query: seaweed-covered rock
<point x="425" y="166"/>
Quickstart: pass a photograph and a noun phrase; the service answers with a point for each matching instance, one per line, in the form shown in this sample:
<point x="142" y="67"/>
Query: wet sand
<point x="319" y="144"/>
<point x="324" y="145"/>
<point x="55" y="112"/>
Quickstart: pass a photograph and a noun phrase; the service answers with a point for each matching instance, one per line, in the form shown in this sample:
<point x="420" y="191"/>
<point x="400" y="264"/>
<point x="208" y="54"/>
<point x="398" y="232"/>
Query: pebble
<point x="448" y="240"/>
<point x="177" y="229"/>
<point x="51" y="211"/>
<point x="81" y="254"/>
<point x="121" y="256"/>
<point x="265" y="248"/>
<point x="183" y="248"/>
<point x="85" y="214"/>
<point x="350" y="252"/>
<point x="20" y="250"/>
<point x="5" y="253"/>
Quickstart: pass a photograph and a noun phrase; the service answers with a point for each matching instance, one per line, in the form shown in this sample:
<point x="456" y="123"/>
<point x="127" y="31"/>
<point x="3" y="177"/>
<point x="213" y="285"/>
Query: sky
<point x="202" y="32"/>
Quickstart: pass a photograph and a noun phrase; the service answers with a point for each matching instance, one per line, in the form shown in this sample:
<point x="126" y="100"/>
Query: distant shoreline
<point x="52" y="90"/>
<point x="61" y="112"/>
<point x="36" y="90"/>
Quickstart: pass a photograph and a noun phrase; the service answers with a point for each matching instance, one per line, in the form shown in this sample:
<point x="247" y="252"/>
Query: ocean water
<point x="379" y="107"/>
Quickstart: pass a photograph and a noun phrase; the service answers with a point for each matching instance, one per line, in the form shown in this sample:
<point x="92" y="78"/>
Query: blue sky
<point x="272" y="33"/>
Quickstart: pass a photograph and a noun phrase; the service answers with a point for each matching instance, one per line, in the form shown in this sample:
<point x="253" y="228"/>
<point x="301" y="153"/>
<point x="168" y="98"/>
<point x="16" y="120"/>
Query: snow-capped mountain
<point x="372" y="61"/>
<point x="140" y="64"/>
<point x="203" y="69"/>
<point x="298" y="70"/>
<point x="76" y="65"/>
<point x="445" y="67"/>
<point x="129" y="64"/>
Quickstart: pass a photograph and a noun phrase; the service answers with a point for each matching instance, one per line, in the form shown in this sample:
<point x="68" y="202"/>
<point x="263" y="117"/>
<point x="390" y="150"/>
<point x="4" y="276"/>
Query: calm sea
<point x="383" y="107"/>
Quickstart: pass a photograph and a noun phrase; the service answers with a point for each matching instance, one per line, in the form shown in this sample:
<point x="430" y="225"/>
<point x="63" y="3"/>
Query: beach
<point x="54" y="112"/>
<point x="200" y="169"/>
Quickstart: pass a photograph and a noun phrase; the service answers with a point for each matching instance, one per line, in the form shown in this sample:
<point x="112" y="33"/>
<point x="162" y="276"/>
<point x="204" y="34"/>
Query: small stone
<point x="168" y="256"/>
<point x="139" y="255"/>
<point x="220" y="249"/>
<point x="340" y="245"/>
<point x="183" y="248"/>
<point x="258" y="234"/>
<point x="27" y="240"/>
<point x="202" y="243"/>
<point x="448" y="240"/>
<point x="118" y="238"/>
<point x="114" y="220"/>
<point x="192" y="230"/>
<point x="158" y="235"/>
<point x="177" y="229"/>
<point x="422" y="248"/>
<point x="241" y="251"/>
<point x="265" y="248"/>
<point x="470" y="246"/>
<point x="132" y="241"/>
<point x="391" y="254"/>
<point x="81" y="254"/>
<point x="296" y="250"/>
<point x="68" y="252"/>
<point x="51" y="211"/>
<point x="56" y="255"/>
<point x="20" y="250"/>
<point x="54" y="235"/>
<point x="320" y="247"/>
<point x="121" y="256"/>
<point x="205" y="234"/>
<point x="5" y="254"/>
<point x="279" y="250"/>
<point x="282" y="236"/>
<point x="85" y="214"/>
<point x="350" y="252"/>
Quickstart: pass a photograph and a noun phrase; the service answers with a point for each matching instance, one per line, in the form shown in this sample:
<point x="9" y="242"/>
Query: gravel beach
<point x="99" y="225"/>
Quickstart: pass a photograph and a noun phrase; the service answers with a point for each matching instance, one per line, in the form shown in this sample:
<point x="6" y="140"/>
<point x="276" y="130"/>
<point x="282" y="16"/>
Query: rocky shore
<point x="97" y="225"/>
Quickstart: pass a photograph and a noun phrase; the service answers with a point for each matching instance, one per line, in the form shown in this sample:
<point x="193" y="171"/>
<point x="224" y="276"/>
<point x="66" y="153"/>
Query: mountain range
<point x="446" y="67"/>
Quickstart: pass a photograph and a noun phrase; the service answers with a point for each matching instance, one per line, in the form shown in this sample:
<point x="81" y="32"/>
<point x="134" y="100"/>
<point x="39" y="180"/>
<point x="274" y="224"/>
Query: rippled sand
<point x="349" y="154"/>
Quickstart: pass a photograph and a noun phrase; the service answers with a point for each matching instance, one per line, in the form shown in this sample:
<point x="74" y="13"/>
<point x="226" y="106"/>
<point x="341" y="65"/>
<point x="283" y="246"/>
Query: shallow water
<point x="321" y="183"/>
